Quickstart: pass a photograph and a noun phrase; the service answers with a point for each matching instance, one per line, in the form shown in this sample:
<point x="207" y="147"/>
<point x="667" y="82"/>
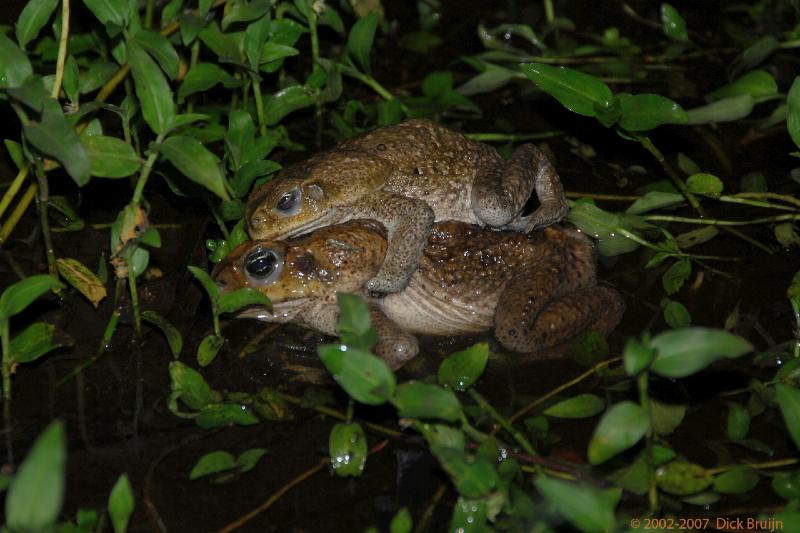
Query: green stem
<point x="513" y="137"/>
<point x="137" y="317"/>
<point x="327" y="411"/>
<point x="145" y="173"/>
<point x="192" y="62"/>
<point x="215" y="318"/>
<point x="148" y="14"/>
<point x="312" y="25"/>
<point x="755" y="203"/>
<point x="647" y="244"/>
<point x="62" y="49"/>
<point x="218" y="218"/>
<point x="504" y="423"/>
<point x="549" y="11"/>
<point x="717" y="222"/>
<point x="262" y="122"/>
<point x="6" y="342"/>
<point x="42" y="199"/>
<point x="644" y="400"/>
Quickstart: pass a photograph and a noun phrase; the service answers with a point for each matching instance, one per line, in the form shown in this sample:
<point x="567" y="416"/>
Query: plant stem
<point x="549" y="12"/>
<point x="145" y="173"/>
<point x="16" y="214"/>
<point x="504" y="423"/>
<point x="312" y="25"/>
<point x="736" y="199"/>
<point x="6" y="343"/>
<point x="642" y="383"/>
<point x="62" y="49"/>
<point x="647" y="244"/>
<point x="513" y="137"/>
<point x="14" y="188"/>
<point x="262" y="123"/>
<point x="327" y="411"/>
<point x="218" y="218"/>
<point x="148" y="14"/>
<point x="717" y="222"/>
<point x="42" y="200"/>
<point x="137" y="318"/>
<point x="771" y="195"/>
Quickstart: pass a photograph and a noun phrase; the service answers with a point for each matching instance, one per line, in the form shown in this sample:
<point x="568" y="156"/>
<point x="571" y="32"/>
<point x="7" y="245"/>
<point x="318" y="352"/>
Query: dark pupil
<point x="287" y="201"/>
<point x="261" y="263"/>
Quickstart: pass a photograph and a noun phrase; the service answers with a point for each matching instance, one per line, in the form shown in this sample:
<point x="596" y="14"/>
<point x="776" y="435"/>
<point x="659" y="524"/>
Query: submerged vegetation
<point x="116" y="109"/>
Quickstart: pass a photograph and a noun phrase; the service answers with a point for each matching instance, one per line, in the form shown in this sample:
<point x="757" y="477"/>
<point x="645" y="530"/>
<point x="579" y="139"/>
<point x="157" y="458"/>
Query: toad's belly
<point x="420" y="311"/>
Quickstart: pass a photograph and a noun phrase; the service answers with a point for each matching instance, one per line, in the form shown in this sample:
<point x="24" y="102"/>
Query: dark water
<point x="116" y="415"/>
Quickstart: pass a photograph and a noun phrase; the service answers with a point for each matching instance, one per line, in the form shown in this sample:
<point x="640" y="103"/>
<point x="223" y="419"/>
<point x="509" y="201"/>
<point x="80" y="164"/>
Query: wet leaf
<point x="738" y="480"/>
<point x="360" y="39"/>
<point x="580" y="406"/>
<point x="676" y="275"/>
<point x="673" y="24"/>
<point x="196" y="162"/>
<point x="603" y="226"/>
<point x="401" y="523"/>
<point x="34" y="341"/>
<point x="354" y="325"/>
<point x="190" y="385"/>
<point x="705" y="184"/>
<point x="787" y="486"/>
<point x="34" y="16"/>
<point x="109" y="11"/>
<point x="15" y="67"/>
<point x="442" y="436"/>
<point x="578" y="92"/>
<point x="792" y="101"/>
<point x="230" y="302"/>
<point x="120" y="504"/>
<point x="54" y="136"/>
<point x="209" y="348"/>
<point x="637" y="356"/>
<point x="21" y="294"/>
<point x="423" y="400"/>
<point x="703" y="499"/>
<point x="461" y="370"/>
<point x="110" y="157"/>
<point x="756" y="83"/>
<point x="676" y="315"/>
<point x="347" y="448"/>
<point x="738" y="422"/>
<point x="283" y="102"/>
<point x="472" y="478"/>
<point x="587" y="508"/>
<point x="84" y="280"/>
<point x="644" y="112"/>
<point x="682" y="478"/>
<point x="683" y="352"/>
<point x="788" y="399"/>
<point x="723" y="110"/>
<point x="248" y="459"/>
<point x="173" y="335"/>
<point x="216" y="415"/>
<point x="35" y="496"/>
<point x="211" y="463"/>
<point x="365" y="377"/>
<point x="271" y="405"/>
<point x="152" y="89"/>
<point x="469" y="516"/>
<point x="622" y="426"/>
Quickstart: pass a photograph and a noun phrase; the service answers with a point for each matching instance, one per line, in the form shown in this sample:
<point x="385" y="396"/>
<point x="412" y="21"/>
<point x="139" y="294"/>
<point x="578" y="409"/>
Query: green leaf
<point x="724" y="110"/>
<point x="245" y="11"/>
<point x="757" y="83"/>
<point x="365" y="377"/>
<point x="580" y="406"/>
<point x="152" y="89"/>
<point x="354" y="325"/>
<point x="35" y="496"/>
<point x="202" y="77"/>
<point x="637" y="356"/>
<point x="173" y="335"/>
<point x="676" y="275"/>
<point x="603" y="226"/>
<point x="196" y="162"/>
<point x="225" y="414"/>
<point x="120" y="504"/>
<point x="71" y="79"/>
<point x="34" y="16"/>
<point x="110" y="157"/>
<point x="738" y="480"/>
<point x="255" y="36"/>
<point x="273" y="52"/>
<point x="788" y="399"/>
<point x="587" y="508"/>
<point x="644" y="112"/>
<point x="470" y="515"/>
<point x="787" y="486"/>
<point x="472" y="478"/>
<point x="35" y="341"/>
<point x="705" y="184"/>
<point x="683" y="352"/>
<point x="682" y="478"/>
<point x="209" y="348"/>
<point x="54" y="136"/>
<point x="401" y="523"/>
<point x="15" y="67"/>
<point x="161" y="49"/>
<point x="578" y="92"/>
<point x="461" y="370"/>
<point x="676" y="315"/>
<point x="190" y="386"/>
<point x="211" y="463"/>
<point x="360" y="39"/>
<point x="672" y="23"/>
<point x="347" y="448"/>
<point x="423" y="400"/>
<point x="738" y="422"/>
<point x="248" y="459"/>
<point x="235" y="300"/>
<point x="666" y="417"/>
<point x="655" y="200"/>
<point x="109" y="11"/>
<point x="283" y="102"/>
<point x="792" y="101"/>
<point x="97" y="75"/>
<point x="758" y="51"/>
<point x="22" y="293"/>
<point x="623" y="425"/>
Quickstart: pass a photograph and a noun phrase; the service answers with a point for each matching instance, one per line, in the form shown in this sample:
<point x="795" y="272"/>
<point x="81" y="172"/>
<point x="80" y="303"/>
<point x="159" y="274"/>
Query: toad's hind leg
<point x="500" y="192"/>
<point x="395" y="345"/>
<point x="596" y="308"/>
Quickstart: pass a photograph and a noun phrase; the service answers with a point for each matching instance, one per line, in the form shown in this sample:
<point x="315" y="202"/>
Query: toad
<point x="407" y="176"/>
<point x="535" y="291"/>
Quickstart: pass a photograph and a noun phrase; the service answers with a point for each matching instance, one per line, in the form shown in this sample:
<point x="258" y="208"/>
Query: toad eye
<point x="263" y="266"/>
<point x="289" y="203"/>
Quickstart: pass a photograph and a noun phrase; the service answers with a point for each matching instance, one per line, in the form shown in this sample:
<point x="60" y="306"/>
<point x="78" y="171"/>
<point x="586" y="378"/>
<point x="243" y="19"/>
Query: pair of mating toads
<point x="411" y="212"/>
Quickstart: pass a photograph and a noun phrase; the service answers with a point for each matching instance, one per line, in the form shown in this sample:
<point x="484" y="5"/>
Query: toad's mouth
<point x="281" y="313"/>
